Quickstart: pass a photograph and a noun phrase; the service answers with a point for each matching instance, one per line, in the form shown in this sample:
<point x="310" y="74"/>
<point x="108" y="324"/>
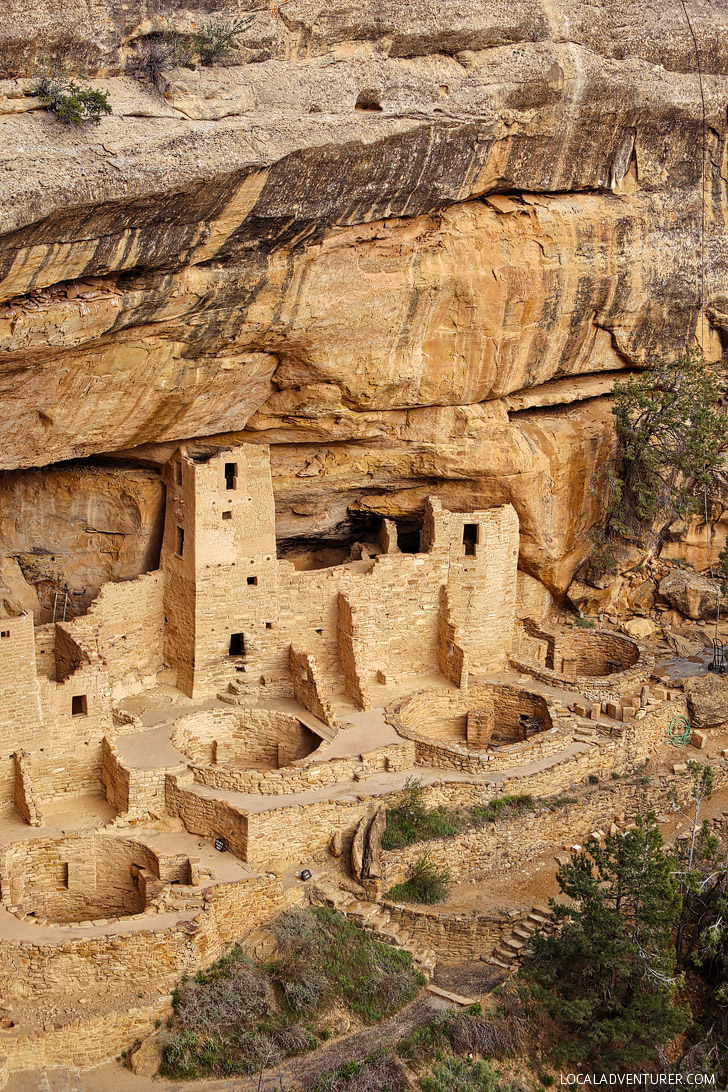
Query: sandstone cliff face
<point x="407" y="244"/>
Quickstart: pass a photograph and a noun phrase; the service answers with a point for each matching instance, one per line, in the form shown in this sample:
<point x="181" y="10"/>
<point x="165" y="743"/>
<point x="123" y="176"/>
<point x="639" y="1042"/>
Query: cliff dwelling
<point x="330" y="562"/>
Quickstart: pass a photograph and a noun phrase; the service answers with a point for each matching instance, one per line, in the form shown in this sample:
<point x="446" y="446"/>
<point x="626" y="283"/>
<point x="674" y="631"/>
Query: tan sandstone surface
<point x="408" y="245"/>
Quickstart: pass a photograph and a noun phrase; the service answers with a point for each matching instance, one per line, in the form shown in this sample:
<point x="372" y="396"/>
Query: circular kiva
<point x="85" y="877"/>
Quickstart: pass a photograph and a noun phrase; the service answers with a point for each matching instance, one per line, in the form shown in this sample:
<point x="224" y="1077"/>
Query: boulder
<point x="639" y="628"/>
<point x="643" y="596"/>
<point x="694" y="595"/>
<point x="707" y="700"/>
<point x="147" y="1058"/>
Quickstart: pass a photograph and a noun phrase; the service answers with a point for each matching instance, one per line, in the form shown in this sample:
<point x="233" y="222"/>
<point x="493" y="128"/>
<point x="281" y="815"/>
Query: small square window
<point x="180" y="541"/>
<point x="227" y="515"/>
<point x="78" y="705"/>
<point x="269" y="625"/>
<point x="253" y="580"/>
<point x="4" y="633"/>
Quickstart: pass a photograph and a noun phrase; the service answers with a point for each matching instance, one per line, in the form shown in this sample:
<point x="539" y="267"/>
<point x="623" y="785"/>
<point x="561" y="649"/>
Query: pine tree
<point x="607" y="976"/>
<point x="670" y="431"/>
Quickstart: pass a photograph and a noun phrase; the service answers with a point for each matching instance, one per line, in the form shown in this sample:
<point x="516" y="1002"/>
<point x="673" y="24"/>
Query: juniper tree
<point x="607" y="977"/>
<point x="670" y="431"/>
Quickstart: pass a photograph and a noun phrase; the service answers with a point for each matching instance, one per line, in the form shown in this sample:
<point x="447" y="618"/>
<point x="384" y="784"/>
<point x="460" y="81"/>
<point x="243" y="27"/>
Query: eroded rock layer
<point x="408" y="245"/>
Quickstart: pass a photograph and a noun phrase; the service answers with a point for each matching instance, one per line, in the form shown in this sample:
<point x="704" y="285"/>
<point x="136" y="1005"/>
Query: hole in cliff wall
<point x="369" y="101"/>
<point x="75" y="526"/>
<point x="354" y="539"/>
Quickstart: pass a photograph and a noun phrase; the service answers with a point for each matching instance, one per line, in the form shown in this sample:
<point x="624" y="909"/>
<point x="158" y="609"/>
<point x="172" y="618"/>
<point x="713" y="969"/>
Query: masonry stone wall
<point x="253" y="737"/>
<point x="79" y="878"/>
<point x="128" y="623"/>
<point x="208" y="816"/>
<point x="514" y="842"/>
<point x="234" y="610"/>
<point x="581" y="659"/>
<point x="309" y="776"/>
<point x="20" y="713"/>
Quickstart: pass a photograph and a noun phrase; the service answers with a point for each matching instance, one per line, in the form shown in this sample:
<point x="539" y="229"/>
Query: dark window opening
<point x="231" y="475"/>
<point x="64" y="874"/>
<point x="227" y="515"/>
<point x="237" y="644"/>
<point x="470" y="538"/>
<point x="5" y="633"/>
<point x="409" y="535"/>
<point x="369" y="100"/>
<point x="269" y="625"/>
<point x="180" y="541"/>
<point x="78" y="705"/>
<point x="253" y="580"/>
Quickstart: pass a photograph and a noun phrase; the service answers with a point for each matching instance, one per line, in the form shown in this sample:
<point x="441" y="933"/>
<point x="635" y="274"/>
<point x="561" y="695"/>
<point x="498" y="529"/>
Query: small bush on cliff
<point x="670" y="431"/>
<point x="427" y="883"/>
<point x="69" y="101"/>
<point x="411" y="821"/>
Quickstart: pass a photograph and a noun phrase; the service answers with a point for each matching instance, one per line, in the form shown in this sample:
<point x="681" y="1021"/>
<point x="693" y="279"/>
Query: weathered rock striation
<point x="407" y="245"/>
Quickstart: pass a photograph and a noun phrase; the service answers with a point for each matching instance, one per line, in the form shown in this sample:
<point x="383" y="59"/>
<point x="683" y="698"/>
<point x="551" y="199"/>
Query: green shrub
<point x="503" y="807"/>
<point x="453" y="1074"/>
<point x="585" y="623"/>
<point x="70" y="102"/>
<point x="411" y="821"/>
<point x="238" y="1016"/>
<point x="426" y="883"/>
<point x="212" y="41"/>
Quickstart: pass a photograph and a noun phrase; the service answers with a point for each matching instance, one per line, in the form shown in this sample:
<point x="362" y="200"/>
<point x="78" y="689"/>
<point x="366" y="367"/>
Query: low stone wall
<point x="207" y="816"/>
<point x="514" y="842"/>
<point x="253" y="737"/>
<point x="306" y="776"/>
<point x="84" y="877"/>
<point x="83" y="1043"/>
<point x="454" y="937"/>
<point x="133" y="792"/>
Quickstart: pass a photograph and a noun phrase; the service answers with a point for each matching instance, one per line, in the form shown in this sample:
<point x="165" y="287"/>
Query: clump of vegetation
<point x="670" y="431"/>
<point x="378" y="1073"/>
<point x="456" y="1074"/>
<point x="206" y="45"/>
<point x="70" y="102"/>
<point x="607" y="978"/>
<point x="503" y="807"/>
<point x="584" y="623"/>
<point x="411" y="821"/>
<point x="211" y="42"/>
<point x="427" y="883"/>
<point x="239" y="1016"/>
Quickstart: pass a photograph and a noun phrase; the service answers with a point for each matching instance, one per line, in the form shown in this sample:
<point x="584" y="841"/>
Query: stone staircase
<point x="374" y="918"/>
<point x="517" y="942"/>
